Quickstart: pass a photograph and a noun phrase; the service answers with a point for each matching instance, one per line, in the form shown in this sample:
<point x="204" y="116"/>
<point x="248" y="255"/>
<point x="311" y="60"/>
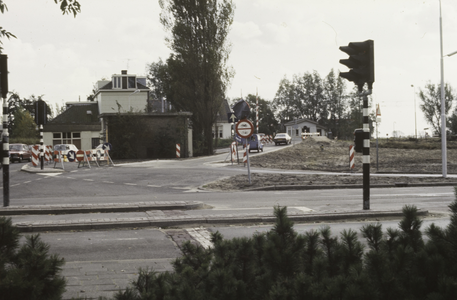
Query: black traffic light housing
<point x="4" y="75"/>
<point x="360" y="63"/>
<point x="41" y="112"/>
<point x="358" y="140"/>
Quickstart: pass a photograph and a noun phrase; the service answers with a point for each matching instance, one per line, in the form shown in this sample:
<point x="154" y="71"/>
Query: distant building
<point x="296" y="127"/>
<point x="78" y="124"/>
<point x="222" y="125"/>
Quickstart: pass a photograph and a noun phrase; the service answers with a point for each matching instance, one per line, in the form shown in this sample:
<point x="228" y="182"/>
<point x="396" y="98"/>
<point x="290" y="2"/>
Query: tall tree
<point x="431" y="103"/>
<point x="284" y="104"/>
<point x="335" y="97"/>
<point x="197" y="67"/>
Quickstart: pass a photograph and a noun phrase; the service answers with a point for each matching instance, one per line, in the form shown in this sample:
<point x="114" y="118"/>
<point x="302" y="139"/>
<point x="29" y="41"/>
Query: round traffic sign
<point x="80" y="155"/>
<point x="244" y="128"/>
<point x="71" y="156"/>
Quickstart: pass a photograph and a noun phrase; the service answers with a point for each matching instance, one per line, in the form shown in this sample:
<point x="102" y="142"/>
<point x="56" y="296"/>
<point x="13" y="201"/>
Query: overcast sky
<point x="62" y="57"/>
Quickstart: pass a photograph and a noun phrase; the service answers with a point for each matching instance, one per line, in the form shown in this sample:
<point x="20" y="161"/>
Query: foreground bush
<point x="27" y="272"/>
<point x="282" y="264"/>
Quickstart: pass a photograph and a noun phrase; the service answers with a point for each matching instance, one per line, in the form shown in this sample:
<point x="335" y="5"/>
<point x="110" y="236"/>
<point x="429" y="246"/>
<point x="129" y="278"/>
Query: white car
<point x="64" y="148"/>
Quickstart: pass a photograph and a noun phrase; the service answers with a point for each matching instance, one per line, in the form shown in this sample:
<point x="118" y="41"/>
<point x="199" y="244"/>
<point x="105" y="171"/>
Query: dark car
<point x="282" y="138"/>
<point x="255" y="143"/>
<point x="19" y="152"/>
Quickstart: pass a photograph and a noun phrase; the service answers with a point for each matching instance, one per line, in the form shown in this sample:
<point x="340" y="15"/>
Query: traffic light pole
<point x="366" y="152"/>
<point x="6" y="156"/>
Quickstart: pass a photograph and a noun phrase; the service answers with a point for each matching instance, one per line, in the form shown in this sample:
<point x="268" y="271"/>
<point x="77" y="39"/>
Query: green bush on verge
<point x="282" y="264"/>
<point x="27" y="272"/>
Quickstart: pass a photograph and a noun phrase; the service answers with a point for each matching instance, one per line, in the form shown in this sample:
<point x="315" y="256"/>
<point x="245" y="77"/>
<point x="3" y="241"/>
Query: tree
<point x="66" y="6"/>
<point x="27" y="271"/>
<point x="336" y="105"/>
<point x="16" y="103"/>
<point x="431" y="103"/>
<point x="24" y="126"/>
<point x="196" y="69"/>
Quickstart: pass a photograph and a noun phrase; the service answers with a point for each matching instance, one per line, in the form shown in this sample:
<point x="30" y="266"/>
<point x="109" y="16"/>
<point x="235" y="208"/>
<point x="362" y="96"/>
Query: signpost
<point x="245" y="129"/>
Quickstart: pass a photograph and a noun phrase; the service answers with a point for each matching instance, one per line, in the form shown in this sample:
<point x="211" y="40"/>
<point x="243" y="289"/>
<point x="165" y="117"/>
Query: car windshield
<point x="15" y="147"/>
<point x="281" y="135"/>
<point x="59" y="147"/>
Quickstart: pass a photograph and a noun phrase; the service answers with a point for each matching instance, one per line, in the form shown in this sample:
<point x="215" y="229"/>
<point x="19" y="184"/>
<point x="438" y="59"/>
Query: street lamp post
<point x="415" y="120"/>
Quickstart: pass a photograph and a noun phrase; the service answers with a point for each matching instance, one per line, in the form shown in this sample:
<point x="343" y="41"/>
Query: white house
<point x="296" y="127"/>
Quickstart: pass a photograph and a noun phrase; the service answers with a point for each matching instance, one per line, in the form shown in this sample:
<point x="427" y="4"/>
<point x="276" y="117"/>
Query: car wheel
<point x="258" y="150"/>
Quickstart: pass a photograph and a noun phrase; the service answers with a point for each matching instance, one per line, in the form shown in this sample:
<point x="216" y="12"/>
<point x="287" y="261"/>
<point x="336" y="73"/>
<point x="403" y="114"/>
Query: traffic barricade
<point x="58" y="158"/>
<point x="35" y="155"/>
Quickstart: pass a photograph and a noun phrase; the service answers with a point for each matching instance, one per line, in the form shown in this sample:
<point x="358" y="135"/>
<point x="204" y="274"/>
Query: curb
<point x="88" y="224"/>
<point x="346" y="186"/>
<point x="98" y="208"/>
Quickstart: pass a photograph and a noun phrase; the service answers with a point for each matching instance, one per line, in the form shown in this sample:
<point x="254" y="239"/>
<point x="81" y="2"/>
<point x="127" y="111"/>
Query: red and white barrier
<point x="48" y="153"/>
<point x="35" y="155"/>
<point x="351" y="157"/>
<point x="178" y="150"/>
<point x="245" y="155"/>
<point x="233" y="151"/>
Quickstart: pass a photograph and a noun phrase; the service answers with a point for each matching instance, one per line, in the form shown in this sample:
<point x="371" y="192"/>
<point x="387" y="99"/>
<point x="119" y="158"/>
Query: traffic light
<point x="360" y="63"/>
<point x="358" y="140"/>
<point x="4" y="75"/>
<point x="40" y="112"/>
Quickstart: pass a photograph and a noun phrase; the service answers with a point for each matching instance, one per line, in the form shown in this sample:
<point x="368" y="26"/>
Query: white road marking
<point x="151" y="185"/>
<point x="108" y="182"/>
<point x="48" y="174"/>
<point x="88" y="179"/>
<point x="126" y="183"/>
<point x="302" y="208"/>
<point x="201" y="235"/>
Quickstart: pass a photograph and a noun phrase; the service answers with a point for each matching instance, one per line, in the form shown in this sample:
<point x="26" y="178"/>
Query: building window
<point x="67" y="138"/>
<point x="132" y="83"/>
<point x="117" y="82"/>
<point x="95" y="142"/>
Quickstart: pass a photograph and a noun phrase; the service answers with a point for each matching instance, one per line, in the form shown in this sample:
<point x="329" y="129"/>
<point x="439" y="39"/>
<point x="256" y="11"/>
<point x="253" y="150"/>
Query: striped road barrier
<point x="351" y="157"/>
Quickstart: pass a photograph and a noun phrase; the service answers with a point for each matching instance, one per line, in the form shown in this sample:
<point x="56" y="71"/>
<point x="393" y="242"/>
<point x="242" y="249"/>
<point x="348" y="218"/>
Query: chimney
<point x="124" y="72"/>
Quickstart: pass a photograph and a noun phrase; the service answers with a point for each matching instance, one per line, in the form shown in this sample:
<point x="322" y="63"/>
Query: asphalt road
<point x="101" y="262"/>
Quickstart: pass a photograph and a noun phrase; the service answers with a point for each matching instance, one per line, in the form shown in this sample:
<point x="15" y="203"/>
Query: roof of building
<point x="79" y="113"/>
<point x="222" y="115"/>
<point x="304" y="120"/>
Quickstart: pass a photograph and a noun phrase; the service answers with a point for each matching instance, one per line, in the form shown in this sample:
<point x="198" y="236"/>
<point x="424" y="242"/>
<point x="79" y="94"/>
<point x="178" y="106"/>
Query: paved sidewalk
<point x="38" y="218"/>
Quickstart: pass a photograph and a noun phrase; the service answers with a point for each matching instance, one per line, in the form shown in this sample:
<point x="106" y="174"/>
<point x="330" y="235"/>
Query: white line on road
<point x="107" y="182"/>
<point x="201" y="235"/>
<point x="88" y="179"/>
<point x="126" y="183"/>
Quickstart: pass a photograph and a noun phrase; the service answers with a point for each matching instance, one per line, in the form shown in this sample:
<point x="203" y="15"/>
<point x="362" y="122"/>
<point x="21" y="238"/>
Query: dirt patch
<point x="322" y="154"/>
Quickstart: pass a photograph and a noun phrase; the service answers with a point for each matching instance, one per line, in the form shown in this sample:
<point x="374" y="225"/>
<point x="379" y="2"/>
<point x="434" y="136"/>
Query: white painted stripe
<point x="201" y="235"/>
<point x="366" y="127"/>
<point x="365" y="112"/>
<point x="366" y="143"/>
<point x="108" y="182"/>
<point x="88" y="179"/>
<point x="366" y="159"/>
<point x="126" y="183"/>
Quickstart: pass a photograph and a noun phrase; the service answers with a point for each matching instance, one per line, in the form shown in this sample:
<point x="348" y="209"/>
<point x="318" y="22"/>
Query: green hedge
<point x="282" y="264"/>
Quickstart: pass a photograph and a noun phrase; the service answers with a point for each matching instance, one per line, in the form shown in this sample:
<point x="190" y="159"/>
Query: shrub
<point x="282" y="264"/>
<point x="27" y="271"/>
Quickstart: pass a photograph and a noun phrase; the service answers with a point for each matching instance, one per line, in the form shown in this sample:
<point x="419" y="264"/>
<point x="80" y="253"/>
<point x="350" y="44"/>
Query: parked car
<point x="255" y="143"/>
<point x="65" y="148"/>
<point x="19" y="152"/>
<point x="282" y="138"/>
